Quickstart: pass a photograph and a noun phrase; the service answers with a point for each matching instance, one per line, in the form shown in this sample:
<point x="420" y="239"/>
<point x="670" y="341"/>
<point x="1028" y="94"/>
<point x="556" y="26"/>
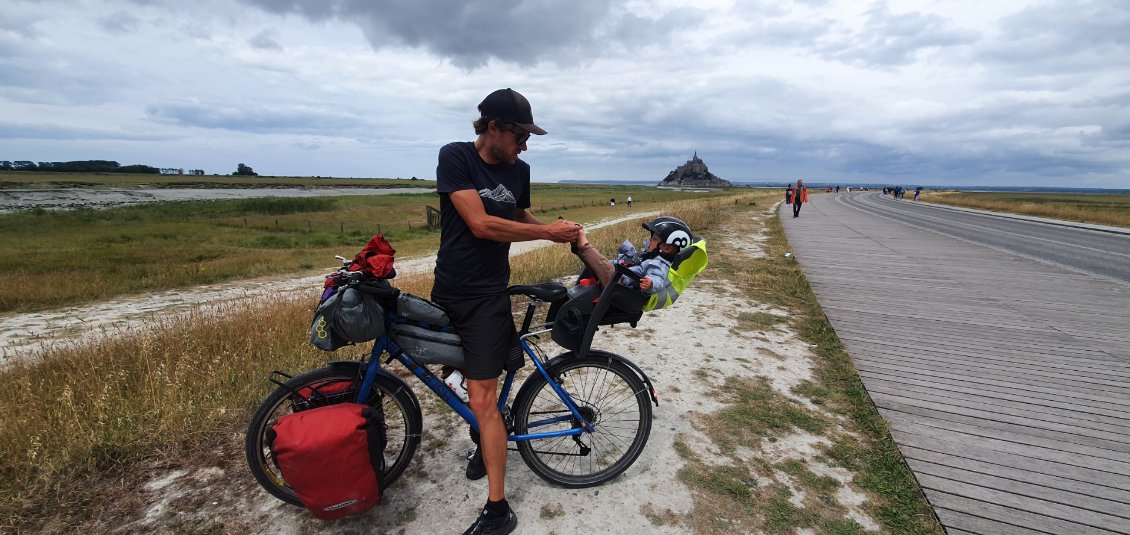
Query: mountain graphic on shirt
<point x="500" y="194"/>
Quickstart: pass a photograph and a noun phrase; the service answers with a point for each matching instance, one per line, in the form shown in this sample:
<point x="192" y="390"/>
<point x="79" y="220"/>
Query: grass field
<point x="56" y="258"/>
<point x="1098" y="209"/>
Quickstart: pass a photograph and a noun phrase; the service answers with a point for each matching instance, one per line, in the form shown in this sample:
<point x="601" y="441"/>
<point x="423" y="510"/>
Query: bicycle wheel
<point x="610" y="395"/>
<point x="328" y="386"/>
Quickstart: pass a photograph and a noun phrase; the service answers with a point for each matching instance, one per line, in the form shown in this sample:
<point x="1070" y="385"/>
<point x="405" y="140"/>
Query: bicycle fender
<point x="596" y="353"/>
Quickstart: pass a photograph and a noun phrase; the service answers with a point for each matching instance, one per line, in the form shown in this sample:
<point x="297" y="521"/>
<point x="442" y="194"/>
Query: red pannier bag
<point x="332" y="457"/>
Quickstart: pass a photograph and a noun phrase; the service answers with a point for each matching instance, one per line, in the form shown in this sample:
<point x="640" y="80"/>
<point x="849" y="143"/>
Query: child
<point x="669" y="235"/>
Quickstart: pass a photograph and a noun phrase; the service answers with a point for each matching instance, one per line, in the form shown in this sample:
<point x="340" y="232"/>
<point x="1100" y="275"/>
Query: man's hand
<point x="563" y="231"/>
<point x="645" y="284"/>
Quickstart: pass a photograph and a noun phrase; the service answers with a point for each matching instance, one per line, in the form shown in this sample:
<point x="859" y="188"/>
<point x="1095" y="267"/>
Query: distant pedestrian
<point x="789" y="194"/>
<point x="917" y="191"/>
<point x="800" y="196"/>
<point x="612" y="201"/>
<point x="629" y="201"/>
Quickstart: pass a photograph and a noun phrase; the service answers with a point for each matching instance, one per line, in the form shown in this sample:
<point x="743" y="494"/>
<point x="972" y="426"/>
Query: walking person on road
<point x="484" y="192"/>
<point x="800" y="195"/>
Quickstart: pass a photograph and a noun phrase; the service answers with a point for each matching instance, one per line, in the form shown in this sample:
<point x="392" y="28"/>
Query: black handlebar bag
<point x="352" y="314"/>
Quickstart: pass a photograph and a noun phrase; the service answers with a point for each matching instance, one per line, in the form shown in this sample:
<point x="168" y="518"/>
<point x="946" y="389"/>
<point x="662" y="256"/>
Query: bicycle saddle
<point x="546" y="291"/>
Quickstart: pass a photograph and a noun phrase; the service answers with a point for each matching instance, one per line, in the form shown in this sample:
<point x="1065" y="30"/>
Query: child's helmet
<point x="671" y="230"/>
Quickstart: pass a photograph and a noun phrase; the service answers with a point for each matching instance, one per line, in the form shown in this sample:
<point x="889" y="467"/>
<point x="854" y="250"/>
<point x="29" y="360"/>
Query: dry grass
<point x="1100" y="209"/>
<point x="81" y="414"/>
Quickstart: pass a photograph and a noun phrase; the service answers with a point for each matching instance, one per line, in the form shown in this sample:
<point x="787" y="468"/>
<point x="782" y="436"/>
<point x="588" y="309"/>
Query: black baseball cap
<point x="509" y="106"/>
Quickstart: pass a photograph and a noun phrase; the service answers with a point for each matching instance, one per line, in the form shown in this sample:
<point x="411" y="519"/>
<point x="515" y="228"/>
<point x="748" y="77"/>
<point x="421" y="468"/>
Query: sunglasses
<point x="519" y="138"/>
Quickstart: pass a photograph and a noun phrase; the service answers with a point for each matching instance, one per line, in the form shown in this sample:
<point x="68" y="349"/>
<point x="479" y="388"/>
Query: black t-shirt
<point x="465" y="264"/>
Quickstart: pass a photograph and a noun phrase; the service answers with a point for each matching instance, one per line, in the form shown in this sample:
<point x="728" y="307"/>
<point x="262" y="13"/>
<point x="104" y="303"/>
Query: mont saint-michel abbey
<point x="693" y="174"/>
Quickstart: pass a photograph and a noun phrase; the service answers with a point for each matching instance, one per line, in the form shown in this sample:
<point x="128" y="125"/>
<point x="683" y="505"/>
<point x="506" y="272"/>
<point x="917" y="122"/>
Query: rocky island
<point x="693" y="174"/>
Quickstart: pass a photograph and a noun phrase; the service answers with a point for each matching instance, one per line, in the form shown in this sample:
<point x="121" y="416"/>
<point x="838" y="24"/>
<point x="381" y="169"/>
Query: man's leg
<point x="492" y="433"/>
<point x="496" y="518"/>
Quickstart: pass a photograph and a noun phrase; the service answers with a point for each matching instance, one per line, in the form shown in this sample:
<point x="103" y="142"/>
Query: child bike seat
<point x="579" y="317"/>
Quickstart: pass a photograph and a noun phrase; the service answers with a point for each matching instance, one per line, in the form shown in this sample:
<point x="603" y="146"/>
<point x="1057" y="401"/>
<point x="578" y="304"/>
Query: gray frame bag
<point x="428" y="336"/>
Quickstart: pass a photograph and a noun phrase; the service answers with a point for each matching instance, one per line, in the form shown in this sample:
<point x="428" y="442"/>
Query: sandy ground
<point x="698" y="333"/>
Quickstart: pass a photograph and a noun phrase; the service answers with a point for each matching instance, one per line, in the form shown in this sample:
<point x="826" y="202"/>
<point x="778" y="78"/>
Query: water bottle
<point x="458" y="384"/>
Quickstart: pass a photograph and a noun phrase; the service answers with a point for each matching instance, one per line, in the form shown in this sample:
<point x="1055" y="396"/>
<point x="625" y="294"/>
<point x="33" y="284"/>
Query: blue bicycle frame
<point x="384" y="343"/>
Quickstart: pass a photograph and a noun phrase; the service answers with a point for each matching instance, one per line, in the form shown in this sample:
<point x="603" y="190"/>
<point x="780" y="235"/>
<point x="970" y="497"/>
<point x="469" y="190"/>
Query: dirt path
<point x="27" y="335"/>
<point x="688" y="350"/>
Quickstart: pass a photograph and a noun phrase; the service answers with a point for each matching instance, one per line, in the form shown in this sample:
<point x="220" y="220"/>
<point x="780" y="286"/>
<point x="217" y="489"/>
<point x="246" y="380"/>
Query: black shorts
<point x="490" y="341"/>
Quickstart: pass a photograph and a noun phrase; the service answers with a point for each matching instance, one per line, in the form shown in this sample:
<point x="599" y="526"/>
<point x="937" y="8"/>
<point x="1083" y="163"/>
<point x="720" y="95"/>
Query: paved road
<point x="998" y="351"/>
<point x="1102" y="253"/>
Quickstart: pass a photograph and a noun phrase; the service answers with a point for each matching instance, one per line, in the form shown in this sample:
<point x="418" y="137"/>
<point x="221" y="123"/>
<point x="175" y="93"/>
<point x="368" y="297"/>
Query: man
<point x="800" y="195"/>
<point x="484" y="194"/>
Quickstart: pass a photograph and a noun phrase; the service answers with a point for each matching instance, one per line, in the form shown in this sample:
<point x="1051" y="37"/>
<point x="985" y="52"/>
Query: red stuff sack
<point x="332" y="457"/>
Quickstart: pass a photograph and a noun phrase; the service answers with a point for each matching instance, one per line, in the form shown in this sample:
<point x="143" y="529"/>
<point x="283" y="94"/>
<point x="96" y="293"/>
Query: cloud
<point x="470" y="34"/>
<point x="26" y="131"/>
<point x="118" y="22"/>
<point x="888" y="38"/>
<point x="264" y="40"/>
<point x="1061" y="37"/>
<point x="1021" y="91"/>
<point x="262" y="119"/>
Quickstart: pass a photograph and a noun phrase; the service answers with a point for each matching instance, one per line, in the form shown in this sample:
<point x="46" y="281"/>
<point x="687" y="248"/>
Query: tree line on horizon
<point x="106" y="166"/>
<point x="78" y="166"/>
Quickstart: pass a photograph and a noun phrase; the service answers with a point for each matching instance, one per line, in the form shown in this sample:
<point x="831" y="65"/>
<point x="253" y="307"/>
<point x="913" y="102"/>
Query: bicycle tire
<point x="402" y="419"/>
<point x="611" y="395"/>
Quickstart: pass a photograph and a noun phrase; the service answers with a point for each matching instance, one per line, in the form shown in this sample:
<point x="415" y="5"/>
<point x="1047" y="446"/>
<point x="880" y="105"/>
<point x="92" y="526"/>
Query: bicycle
<point x="579" y="420"/>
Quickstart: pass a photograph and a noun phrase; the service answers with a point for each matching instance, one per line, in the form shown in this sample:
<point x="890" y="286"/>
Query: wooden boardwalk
<point x="1006" y="382"/>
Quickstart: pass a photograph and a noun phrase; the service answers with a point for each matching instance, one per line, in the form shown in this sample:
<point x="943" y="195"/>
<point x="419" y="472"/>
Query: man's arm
<point x="523" y="215"/>
<point x="525" y="228"/>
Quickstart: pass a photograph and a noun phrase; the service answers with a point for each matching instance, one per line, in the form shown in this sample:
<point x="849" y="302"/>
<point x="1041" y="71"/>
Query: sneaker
<point x="493" y="526"/>
<point x="475" y="468"/>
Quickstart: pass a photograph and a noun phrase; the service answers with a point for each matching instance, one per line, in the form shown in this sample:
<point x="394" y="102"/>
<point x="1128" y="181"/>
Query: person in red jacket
<point x="800" y="195"/>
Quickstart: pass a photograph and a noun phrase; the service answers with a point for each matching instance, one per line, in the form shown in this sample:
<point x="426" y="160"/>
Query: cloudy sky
<point x="937" y="92"/>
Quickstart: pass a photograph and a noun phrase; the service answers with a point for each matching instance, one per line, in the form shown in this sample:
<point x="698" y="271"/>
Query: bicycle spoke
<point x="609" y="395"/>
